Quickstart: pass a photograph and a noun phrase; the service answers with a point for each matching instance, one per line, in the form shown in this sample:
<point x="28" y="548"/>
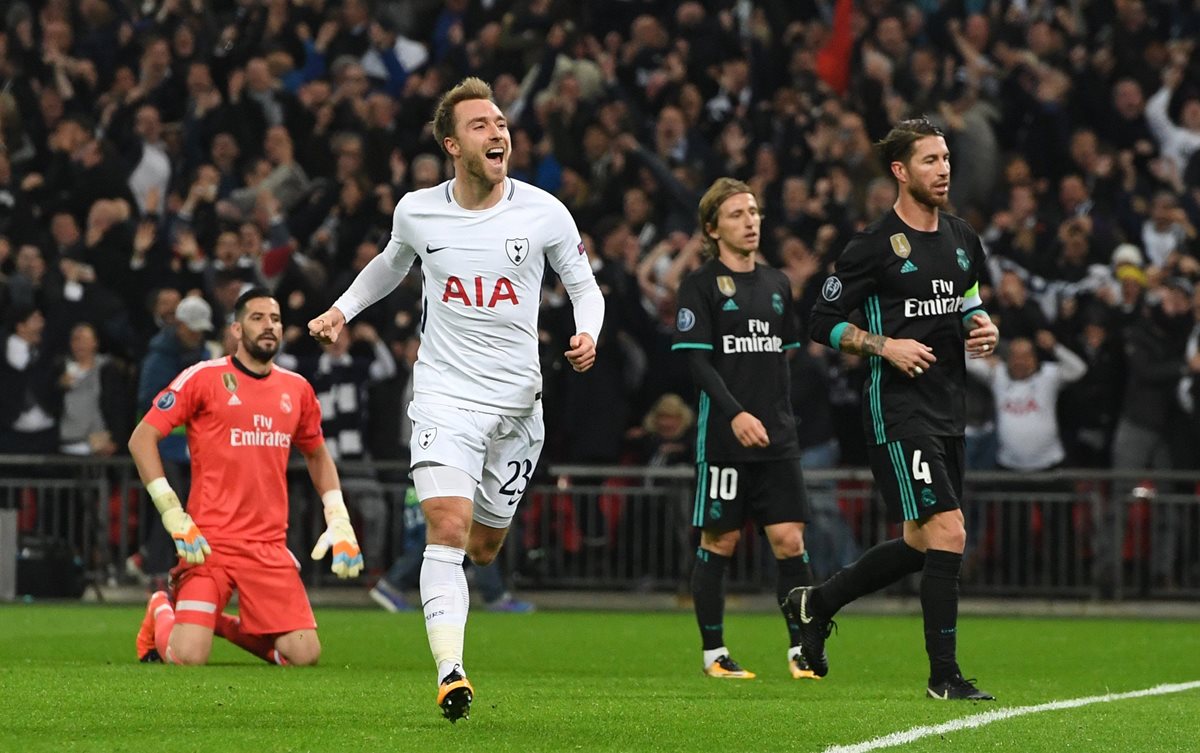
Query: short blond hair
<point x="710" y="208"/>
<point x="673" y="404"/>
<point x="443" y="116"/>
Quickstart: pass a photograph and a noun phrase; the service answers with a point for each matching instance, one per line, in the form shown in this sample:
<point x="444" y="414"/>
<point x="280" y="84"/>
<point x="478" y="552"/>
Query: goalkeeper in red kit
<point x="243" y="414"/>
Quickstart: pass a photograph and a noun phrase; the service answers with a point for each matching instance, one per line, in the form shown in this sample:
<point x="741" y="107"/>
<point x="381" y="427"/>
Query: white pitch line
<point x="978" y="720"/>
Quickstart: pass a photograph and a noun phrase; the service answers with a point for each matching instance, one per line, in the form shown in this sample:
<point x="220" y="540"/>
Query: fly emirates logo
<point x="943" y="302"/>
<point x="760" y="340"/>
<point x="262" y="435"/>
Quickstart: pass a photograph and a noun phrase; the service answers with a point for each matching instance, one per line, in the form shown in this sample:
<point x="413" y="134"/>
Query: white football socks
<point x="711" y="655"/>
<point x="445" y="601"/>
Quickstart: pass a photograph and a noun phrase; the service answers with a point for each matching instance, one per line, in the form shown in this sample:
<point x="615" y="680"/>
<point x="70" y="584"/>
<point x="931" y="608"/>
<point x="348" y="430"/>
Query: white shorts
<point x="499" y="452"/>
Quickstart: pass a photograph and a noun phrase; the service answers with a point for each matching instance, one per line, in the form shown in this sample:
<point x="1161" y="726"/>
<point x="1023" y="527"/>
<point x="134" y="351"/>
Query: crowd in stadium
<point x="158" y="157"/>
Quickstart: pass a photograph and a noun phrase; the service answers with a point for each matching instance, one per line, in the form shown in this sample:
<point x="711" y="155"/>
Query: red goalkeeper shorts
<point x="266" y="577"/>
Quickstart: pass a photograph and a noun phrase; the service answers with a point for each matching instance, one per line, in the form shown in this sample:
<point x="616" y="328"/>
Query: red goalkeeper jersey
<point x="240" y="431"/>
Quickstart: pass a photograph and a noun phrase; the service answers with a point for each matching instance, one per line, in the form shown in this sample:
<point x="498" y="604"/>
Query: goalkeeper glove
<point x="190" y="544"/>
<point x="339" y="534"/>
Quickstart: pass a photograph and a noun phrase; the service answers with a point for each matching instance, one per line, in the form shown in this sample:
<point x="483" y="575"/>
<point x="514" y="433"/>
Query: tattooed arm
<point x="861" y="343"/>
<point x="910" y="356"/>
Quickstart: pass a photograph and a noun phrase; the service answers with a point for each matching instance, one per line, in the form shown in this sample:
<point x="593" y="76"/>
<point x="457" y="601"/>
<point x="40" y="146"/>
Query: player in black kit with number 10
<point x="735" y="323"/>
<point x="914" y="276"/>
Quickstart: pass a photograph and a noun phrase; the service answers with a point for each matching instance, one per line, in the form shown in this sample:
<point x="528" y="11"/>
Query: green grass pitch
<point x="587" y="681"/>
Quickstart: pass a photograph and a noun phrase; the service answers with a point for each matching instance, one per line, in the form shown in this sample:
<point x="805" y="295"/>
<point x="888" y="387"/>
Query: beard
<point x="477" y="167"/>
<point x="926" y="197"/>
<point x="263" y="353"/>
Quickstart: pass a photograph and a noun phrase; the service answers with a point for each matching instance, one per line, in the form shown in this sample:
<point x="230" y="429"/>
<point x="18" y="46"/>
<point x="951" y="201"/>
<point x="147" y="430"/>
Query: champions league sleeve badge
<point x="832" y="289"/>
<point x="685" y="320"/>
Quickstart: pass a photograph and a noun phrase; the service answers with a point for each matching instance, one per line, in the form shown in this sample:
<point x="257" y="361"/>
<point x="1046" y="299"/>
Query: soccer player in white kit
<point x="483" y="239"/>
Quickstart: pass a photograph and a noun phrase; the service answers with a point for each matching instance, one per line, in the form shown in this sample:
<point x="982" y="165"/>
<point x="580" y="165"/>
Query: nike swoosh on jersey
<point x="429" y="250"/>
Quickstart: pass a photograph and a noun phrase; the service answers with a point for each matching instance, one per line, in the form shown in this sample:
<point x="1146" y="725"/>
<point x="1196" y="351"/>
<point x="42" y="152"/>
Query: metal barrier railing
<point x="1068" y="534"/>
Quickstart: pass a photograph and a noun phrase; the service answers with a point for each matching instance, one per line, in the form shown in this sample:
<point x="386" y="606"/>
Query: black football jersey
<point x="748" y="322"/>
<point x="908" y="284"/>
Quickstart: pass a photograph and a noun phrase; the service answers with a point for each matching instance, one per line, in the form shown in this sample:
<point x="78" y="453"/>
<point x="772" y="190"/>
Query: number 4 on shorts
<point x="920" y="470"/>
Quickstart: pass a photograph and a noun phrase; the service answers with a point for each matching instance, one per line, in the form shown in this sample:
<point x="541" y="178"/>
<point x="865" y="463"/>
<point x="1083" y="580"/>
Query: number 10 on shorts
<point x="722" y="483"/>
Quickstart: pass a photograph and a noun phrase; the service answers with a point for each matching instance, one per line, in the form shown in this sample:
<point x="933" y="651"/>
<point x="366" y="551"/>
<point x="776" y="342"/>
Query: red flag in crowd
<point x="833" y="60"/>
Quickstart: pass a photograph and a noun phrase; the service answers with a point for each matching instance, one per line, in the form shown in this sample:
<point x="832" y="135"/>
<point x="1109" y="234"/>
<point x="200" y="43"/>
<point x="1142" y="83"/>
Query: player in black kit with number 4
<point x="735" y="323"/>
<point x="914" y="276"/>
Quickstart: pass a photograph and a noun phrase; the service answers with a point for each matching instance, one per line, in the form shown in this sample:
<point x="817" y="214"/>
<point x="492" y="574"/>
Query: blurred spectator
<point x="97" y="412"/>
<point x="662" y="439"/>
<point x="1154" y="350"/>
<point x="27" y="286"/>
<point x="27" y="417"/>
<point x="146" y="154"/>
<point x="1018" y="232"/>
<point x="1168" y="236"/>
<point x="1015" y="311"/>
<point x="1026" y="394"/>
<point x="1177" y="142"/>
<point x="1131" y="277"/>
<point x="1091" y="405"/>
<point x="277" y="174"/>
<point x="79" y="298"/>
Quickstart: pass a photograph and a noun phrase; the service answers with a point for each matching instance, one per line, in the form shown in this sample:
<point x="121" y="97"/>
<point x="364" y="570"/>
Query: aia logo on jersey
<point x="517" y="249"/>
<point x="502" y="290"/>
<point x="285" y="403"/>
<point x="425" y="437"/>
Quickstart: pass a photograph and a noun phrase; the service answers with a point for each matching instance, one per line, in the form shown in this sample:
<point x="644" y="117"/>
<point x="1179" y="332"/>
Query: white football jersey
<point x="482" y="276"/>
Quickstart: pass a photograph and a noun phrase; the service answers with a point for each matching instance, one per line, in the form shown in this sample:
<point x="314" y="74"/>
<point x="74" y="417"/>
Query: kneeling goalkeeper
<point x="243" y="414"/>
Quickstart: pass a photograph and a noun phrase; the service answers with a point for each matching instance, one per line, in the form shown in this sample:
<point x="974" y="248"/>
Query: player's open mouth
<point x="495" y="155"/>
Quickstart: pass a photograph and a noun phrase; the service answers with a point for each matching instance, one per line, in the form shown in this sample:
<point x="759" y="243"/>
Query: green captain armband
<point x="966" y="318"/>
